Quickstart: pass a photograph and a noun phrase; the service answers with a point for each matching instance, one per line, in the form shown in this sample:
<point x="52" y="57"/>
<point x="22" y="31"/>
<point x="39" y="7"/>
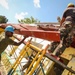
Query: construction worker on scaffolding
<point x="5" y="39"/>
<point x="69" y="14"/>
<point x="67" y="25"/>
<point x="68" y="22"/>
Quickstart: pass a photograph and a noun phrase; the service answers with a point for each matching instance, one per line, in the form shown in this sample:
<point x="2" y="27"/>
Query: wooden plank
<point x="68" y="52"/>
<point x="52" y="34"/>
<point x="46" y="35"/>
<point x="71" y="65"/>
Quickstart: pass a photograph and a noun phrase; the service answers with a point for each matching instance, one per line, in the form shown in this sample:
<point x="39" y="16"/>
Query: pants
<point x="66" y="35"/>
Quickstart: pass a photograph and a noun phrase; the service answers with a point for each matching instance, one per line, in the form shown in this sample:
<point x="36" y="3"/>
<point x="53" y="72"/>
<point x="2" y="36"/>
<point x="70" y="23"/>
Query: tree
<point x="3" y="19"/>
<point x="29" y="20"/>
<point x="59" y="19"/>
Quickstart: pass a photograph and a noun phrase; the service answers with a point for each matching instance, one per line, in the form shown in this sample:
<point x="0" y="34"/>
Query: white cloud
<point x="21" y="15"/>
<point x="37" y="3"/>
<point x="4" y="3"/>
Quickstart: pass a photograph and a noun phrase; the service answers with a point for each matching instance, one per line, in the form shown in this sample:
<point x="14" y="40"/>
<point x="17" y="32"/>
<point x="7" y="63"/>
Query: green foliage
<point x="59" y="19"/>
<point x="3" y="19"/>
<point x="29" y="20"/>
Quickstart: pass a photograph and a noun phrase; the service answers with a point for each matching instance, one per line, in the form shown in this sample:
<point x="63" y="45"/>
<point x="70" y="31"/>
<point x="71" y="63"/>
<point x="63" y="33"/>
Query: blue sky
<point x="43" y="10"/>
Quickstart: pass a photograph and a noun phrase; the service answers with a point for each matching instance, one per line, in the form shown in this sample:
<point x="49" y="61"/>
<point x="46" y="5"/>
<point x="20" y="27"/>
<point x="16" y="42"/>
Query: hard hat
<point x="70" y="4"/>
<point x="9" y="28"/>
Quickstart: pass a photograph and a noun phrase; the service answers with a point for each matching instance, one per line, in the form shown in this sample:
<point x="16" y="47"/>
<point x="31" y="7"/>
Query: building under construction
<point x="34" y="58"/>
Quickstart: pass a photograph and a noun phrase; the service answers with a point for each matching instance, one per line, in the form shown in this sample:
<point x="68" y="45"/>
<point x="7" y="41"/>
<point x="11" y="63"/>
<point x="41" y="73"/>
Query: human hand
<point x="2" y="26"/>
<point x="25" y="36"/>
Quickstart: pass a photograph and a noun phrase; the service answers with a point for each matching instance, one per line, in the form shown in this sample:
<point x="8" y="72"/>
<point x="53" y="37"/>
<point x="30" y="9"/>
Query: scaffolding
<point x="42" y="63"/>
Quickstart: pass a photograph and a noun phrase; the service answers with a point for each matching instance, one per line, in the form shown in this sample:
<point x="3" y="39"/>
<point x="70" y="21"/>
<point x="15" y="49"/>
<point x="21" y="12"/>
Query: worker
<point x="27" y="64"/>
<point x="5" y="39"/>
<point x="68" y="20"/>
<point x="69" y="14"/>
<point x="67" y="24"/>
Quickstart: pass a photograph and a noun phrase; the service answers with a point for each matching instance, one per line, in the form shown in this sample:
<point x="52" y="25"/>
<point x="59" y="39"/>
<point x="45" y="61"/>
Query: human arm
<point x="64" y="17"/>
<point x="2" y="26"/>
<point x="62" y="20"/>
<point x="18" y="43"/>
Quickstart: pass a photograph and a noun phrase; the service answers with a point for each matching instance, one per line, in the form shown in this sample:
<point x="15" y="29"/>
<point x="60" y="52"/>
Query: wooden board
<point x="39" y="33"/>
<point x="50" y="33"/>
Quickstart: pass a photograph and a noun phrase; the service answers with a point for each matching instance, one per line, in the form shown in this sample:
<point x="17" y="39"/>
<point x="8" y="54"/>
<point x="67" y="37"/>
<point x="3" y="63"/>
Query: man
<point x="5" y="39"/>
<point x="28" y="63"/>
<point x="68" y="20"/>
<point x="69" y="14"/>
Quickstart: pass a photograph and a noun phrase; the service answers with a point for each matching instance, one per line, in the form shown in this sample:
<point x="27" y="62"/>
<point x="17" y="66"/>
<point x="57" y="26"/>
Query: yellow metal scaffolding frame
<point x="18" y="60"/>
<point x="38" y="61"/>
<point x="40" y="54"/>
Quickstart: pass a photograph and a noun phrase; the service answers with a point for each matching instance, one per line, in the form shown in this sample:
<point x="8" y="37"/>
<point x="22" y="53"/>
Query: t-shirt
<point x="4" y="42"/>
<point x="69" y="14"/>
